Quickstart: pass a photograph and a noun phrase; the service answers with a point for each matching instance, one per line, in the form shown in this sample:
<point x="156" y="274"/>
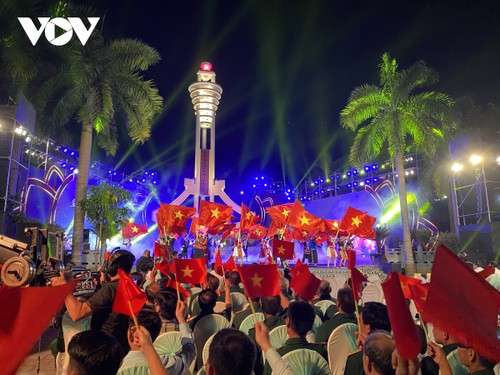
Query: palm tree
<point x="101" y="85"/>
<point x="394" y="118"/>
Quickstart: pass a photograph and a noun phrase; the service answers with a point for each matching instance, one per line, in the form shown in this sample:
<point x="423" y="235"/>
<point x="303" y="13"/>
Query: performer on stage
<point x="264" y="248"/>
<point x="331" y="252"/>
<point x="307" y="252"/>
<point x="238" y="249"/>
<point x="314" y="251"/>
<point x="343" y="251"/>
<point x="200" y="245"/>
<point x="184" y="249"/>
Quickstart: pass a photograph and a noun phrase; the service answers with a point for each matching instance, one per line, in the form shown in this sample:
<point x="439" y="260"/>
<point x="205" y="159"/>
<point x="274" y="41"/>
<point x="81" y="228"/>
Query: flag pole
<point x="177" y="285"/>
<point x="422" y="323"/>
<point x="252" y="308"/>
<point x="354" y="294"/>
<point x="133" y="315"/>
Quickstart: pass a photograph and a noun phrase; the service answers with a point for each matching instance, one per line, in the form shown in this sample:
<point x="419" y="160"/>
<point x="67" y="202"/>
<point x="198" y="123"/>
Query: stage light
<point x="322" y="191"/>
<point x="253" y="185"/>
<point x="75" y="171"/>
<point x="367" y="168"/>
<point x="114" y="173"/>
<point x="65" y="150"/>
<point x="344" y="175"/>
<point x="475" y="159"/>
<point x="146" y="173"/>
<point x="265" y="185"/>
<point x="72" y="153"/>
<point x="130" y="180"/>
<point x="206" y="66"/>
<point x="457" y="167"/>
<point x="321" y="180"/>
<point x="71" y="168"/>
<point x="354" y="171"/>
<point x="349" y="185"/>
<point x="498" y="160"/>
<point x="374" y="166"/>
<point x="262" y="178"/>
<point x="349" y="173"/>
<point x="28" y="139"/>
<point x="256" y="178"/>
<point x="64" y="165"/>
<point x="361" y="183"/>
<point x="143" y="180"/>
<point x="32" y="153"/>
<point x="289" y="198"/>
<point x="109" y="171"/>
<point x="154" y="182"/>
<point x="355" y="184"/>
<point x="367" y="181"/>
<point x="375" y="179"/>
<point x="361" y="172"/>
<point x="289" y="190"/>
<point x="242" y="192"/>
<point x="328" y="180"/>
<point x="315" y="192"/>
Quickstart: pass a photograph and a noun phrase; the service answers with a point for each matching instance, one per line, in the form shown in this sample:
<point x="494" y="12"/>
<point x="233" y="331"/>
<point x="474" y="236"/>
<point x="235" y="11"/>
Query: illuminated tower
<point x="205" y="96"/>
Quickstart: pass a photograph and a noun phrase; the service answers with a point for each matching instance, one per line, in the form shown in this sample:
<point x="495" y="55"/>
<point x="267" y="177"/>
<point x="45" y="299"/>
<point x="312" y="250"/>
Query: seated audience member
<point x="207" y="300"/>
<point x="94" y="353"/>
<point x="317" y="309"/>
<point x="231" y="352"/>
<point x="270" y="308"/>
<point x="345" y="304"/>
<point x="468" y="357"/>
<point x="324" y="292"/>
<point x="299" y="321"/>
<point x="243" y="314"/>
<point x="234" y="285"/>
<point x="373" y="318"/>
<point x="276" y="362"/>
<point x="212" y="283"/>
<point x="377" y="354"/>
<point x="285" y="287"/>
<point x="427" y="365"/>
<point x="177" y="364"/>
<point x="145" y="263"/>
<point x="165" y="306"/>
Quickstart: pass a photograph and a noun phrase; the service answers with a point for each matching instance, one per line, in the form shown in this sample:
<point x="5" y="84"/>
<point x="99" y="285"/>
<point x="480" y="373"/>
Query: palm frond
<point x="388" y="72"/>
<point x="369" y="142"/>
<point x="416" y="76"/>
<point x="366" y="104"/>
<point x="130" y="55"/>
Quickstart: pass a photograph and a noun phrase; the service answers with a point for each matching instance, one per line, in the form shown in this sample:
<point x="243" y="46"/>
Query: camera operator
<point x="100" y="305"/>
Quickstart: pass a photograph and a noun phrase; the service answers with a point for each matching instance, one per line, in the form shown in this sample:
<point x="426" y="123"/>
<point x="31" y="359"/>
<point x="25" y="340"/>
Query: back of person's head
<point x="376" y="316"/>
<point x="345" y="300"/>
<point x="152" y="291"/>
<point x="149" y="320"/>
<point x="212" y="282"/>
<point x="377" y="353"/>
<point x="231" y="352"/>
<point x="234" y="278"/>
<point x="270" y="305"/>
<point x="167" y="302"/>
<point x="324" y="288"/>
<point x="300" y="317"/>
<point x="207" y="299"/>
<point x="94" y="353"/>
<point x="146" y="253"/>
<point x="470" y="358"/>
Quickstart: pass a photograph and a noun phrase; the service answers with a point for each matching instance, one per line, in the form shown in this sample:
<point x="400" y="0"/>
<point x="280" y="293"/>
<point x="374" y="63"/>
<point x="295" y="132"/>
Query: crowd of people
<point x="113" y="341"/>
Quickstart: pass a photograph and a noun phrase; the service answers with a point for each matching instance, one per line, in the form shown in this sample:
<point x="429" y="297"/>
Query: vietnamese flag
<point x="131" y="230"/>
<point x="351" y="259"/>
<point x="163" y="267"/>
<point x="172" y="218"/>
<point x="303" y="220"/>
<point x="214" y="214"/>
<point x="299" y="235"/>
<point x="218" y="266"/>
<point x="247" y="218"/>
<point x="406" y="281"/>
<point x="283" y="249"/>
<point x="257" y="232"/>
<point x="280" y="213"/>
<point x="357" y="279"/>
<point x="190" y="271"/>
<point x="26" y="314"/>
<point x="172" y="284"/>
<point x="304" y="282"/>
<point x="358" y="223"/>
<point x="331" y="226"/>
<point x="230" y="266"/>
<point x="260" y="280"/>
<point x="160" y="251"/>
<point x="463" y="304"/>
<point x="129" y="298"/>
<point x="406" y="336"/>
<point x="418" y="295"/>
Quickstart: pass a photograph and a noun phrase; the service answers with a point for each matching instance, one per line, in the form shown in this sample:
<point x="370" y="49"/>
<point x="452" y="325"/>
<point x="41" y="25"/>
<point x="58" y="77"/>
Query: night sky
<point x="287" y="68"/>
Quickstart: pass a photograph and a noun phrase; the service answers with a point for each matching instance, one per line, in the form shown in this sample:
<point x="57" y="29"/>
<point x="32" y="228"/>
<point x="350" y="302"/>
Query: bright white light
<point x="19" y="130"/>
<point x="498" y="160"/>
<point x="28" y="139"/>
<point x="475" y="159"/>
<point x="75" y="171"/>
<point x="456" y="167"/>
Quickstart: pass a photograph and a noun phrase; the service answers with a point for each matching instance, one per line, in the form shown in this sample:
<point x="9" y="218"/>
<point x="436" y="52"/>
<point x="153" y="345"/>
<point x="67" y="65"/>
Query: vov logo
<point x="69" y="25"/>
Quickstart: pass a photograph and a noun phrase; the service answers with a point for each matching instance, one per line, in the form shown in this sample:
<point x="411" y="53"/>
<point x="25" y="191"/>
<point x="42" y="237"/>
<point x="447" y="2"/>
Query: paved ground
<point x="44" y="361"/>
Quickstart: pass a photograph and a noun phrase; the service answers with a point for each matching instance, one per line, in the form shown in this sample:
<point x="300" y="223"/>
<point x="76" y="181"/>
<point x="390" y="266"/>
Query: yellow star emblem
<point x="135" y="229"/>
<point x="281" y="250"/>
<point x="304" y="220"/>
<point x="297" y="273"/>
<point x="257" y="232"/>
<point x="216" y="212"/>
<point x="249" y="215"/>
<point x="356" y="221"/>
<point x="256" y="280"/>
<point x="285" y="212"/>
<point x="179" y="215"/>
<point x="304" y="233"/>
<point x="188" y="272"/>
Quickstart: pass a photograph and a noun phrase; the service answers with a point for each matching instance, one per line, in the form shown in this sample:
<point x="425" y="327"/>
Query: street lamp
<point x="475" y="159"/>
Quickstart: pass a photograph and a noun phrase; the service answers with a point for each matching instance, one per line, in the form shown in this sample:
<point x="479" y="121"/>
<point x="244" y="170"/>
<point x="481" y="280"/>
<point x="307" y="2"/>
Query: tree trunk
<point x="81" y="191"/>
<point x="408" y="263"/>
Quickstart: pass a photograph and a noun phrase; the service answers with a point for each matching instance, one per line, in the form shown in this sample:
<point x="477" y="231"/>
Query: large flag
<point x="331" y="226"/>
<point x="131" y="230"/>
<point x="283" y="249"/>
<point x="406" y="336"/>
<point x="190" y="271"/>
<point x="260" y="280"/>
<point x="25" y="313"/>
<point x="128" y="295"/>
<point x="299" y="235"/>
<point x="214" y="214"/>
<point x="351" y="259"/>
<point x="280" y="214"/>
<point x="257" y="232"/>
<point x="230" y="266"/>
<point x="223" y="228"/>
<point x="218" y="266"/>
<point x="304" y="282"/>
<point x="357" y="279"/>
<point x="161" y="251"/>
<point x="303" y="220"/>
<point x="406" y="281"/>
<point x="247" y="218"/>
<point x="463" y="304"/>
<point x="358" y="223"/>
<point x="172" y="218"/>
<point x="163" y="267"/>
<point x="418" y="295"/>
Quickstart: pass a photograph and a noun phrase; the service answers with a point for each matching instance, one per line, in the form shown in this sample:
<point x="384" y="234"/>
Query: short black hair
<point x="232" y="352"/>
<point x="379" y="350"/>
<point x="375" y="314"/>
<point x="168" y="303"/>
<point x="207" y="300"/>
<point x="213" y="282"/>
<point x="234" y="278"/>
<point x="94" y="353"/>
<point x="301" y="316"/>
<point x="148" y="319"/>
<point x="271" y="305"/>
<point x="345" y="300"/>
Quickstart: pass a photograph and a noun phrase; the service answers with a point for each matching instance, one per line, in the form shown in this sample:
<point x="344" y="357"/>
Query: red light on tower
<point x="206" y="66"/>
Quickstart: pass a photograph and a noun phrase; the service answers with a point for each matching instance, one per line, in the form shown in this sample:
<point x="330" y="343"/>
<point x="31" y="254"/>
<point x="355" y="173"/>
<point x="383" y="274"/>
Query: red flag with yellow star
<point x="257" y="232"/>
<point x="358" y="223"/>
<point x="247" y="219"/>
<point x="172" y="218"/>
<point x="214" y="214"/>
<point x="260" y="280"/>
<point x="406" y="281"/>
<point x="230" y="266"/>
<point x="304" y="282"/>
<point x="303" y="220"/>
<point x="131" y="230"/>
<point x="419" y="295"/>
<point x="283" y="249"/>
<point x="129" y="298"/>
<point x="280" y="213"/>
<point x="331" y="226"/>
<point x="190" y="271"/>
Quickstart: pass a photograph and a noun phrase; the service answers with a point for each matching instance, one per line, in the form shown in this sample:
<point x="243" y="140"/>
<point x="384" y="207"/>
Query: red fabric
<point x="358" y="223"/>
<point x="230" y="266"/>
<point x="280" y="213"/>
<point x="260" y="280"/>
<point x="160" y="251"/>
<point x="257" y="232"/>
<point x="247" y="218"/>
<point x="214" y="214"/>
<point x="163" y="267"/>
<point x="172" y="218"/>
<point x="25" y="313"/>
<point x="320" y="238"/>
<point x="351" y="259"/>
<point x="190" y="271"/>
<point x="487" y="272"/>
<point x="405" y="331"/>
<point x="172" y="284"/>
<point x="357" y="279"/>
<point x="131" y="230"/>
<point x="127" y="291"/>
<point x="303" y="220"/>
<point x="194" y="225"/>
<point x="418" y="295"/>
<point x="221" y="229"/>
<point x="283" y="249"/>
<point x="218" y="263"/>
<point x="406" y="281"/>
<point x="270" y="259"/>
<point x="304" y="282"/>
<point x="463" y="304"/>
<point x="331" y="226"/>
<point x="299" y="235"/>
